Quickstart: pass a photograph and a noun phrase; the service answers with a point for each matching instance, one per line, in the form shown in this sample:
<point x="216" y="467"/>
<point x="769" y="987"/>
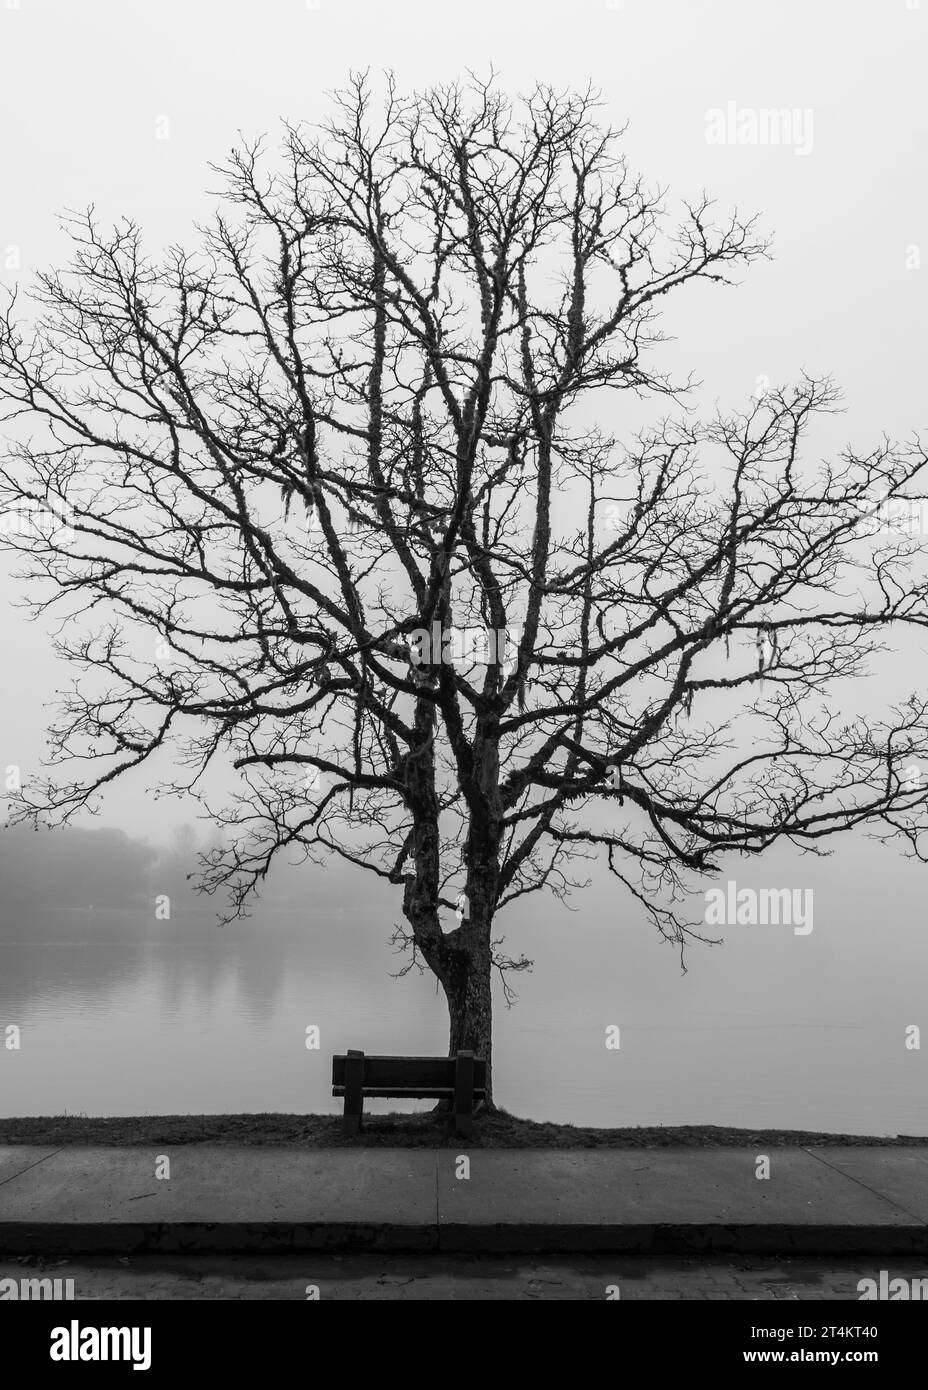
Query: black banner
<point x="162" y="1339"/>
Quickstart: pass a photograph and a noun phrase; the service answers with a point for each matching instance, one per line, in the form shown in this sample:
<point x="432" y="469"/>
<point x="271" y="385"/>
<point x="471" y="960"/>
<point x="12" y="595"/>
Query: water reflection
<point x="120" y="1013"/>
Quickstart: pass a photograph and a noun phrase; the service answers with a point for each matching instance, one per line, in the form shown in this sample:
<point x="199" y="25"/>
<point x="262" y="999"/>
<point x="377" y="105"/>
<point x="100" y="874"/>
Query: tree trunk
<point x="466" y="982"/>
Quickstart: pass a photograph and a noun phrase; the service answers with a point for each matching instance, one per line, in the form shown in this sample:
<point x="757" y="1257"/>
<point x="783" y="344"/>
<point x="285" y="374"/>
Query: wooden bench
<point x="461" y="1079"/>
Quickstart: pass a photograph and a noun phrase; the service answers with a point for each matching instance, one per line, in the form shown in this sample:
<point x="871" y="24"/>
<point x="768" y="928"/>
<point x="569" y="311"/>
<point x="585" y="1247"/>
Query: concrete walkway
<point x="658" y="1201"/>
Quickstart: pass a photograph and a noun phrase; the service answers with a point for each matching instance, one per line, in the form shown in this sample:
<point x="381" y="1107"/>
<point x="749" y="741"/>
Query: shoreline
<point x="421" y="1129"/>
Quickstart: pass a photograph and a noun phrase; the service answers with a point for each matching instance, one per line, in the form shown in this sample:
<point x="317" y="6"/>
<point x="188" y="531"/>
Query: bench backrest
<point x="409" y="1071"/>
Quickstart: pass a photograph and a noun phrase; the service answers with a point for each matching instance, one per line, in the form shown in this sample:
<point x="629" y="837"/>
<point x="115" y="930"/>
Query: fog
<point x="130" y="1011"/>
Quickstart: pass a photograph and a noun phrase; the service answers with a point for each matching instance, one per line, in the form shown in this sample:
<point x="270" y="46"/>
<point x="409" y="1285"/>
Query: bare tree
<point x="270" y="481"/>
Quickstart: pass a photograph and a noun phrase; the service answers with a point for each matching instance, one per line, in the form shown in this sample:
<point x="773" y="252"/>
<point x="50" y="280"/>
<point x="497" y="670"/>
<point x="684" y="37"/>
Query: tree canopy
<point x="260" y="475"/>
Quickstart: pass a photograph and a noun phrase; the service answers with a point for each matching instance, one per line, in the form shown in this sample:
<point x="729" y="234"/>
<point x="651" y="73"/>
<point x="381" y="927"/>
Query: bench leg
<point x="464" y="1126"/>
<point x="354" y="1092"/>
<point x="464" y="1094"/>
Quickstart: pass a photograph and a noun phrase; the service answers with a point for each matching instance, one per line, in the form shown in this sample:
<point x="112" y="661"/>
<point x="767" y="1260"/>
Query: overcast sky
<point x="92" y="87"/>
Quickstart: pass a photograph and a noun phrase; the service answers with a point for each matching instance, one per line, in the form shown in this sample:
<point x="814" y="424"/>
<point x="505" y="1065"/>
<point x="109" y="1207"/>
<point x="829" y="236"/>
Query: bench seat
<point x="413" y="1092"/>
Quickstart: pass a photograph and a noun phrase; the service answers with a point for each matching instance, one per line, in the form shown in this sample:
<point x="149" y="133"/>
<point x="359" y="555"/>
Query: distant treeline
<point x="79" y="869"/>
<point x="85" y="871"/>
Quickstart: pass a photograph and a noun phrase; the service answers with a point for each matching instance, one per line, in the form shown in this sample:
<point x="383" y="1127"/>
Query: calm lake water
<point x="120" y="1014"/>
